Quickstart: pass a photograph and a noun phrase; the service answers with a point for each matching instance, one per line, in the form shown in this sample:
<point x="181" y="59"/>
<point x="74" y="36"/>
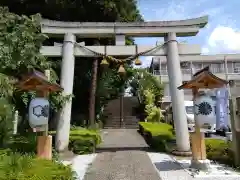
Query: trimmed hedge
<point x="156" y="134"/>
<point x="19" y="167"/>
<point x="160" y="135"/>
<point x="82" y="141"/>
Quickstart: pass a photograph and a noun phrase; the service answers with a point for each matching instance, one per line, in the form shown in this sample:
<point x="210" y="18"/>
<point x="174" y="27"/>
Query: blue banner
<point x="222" y="108"/>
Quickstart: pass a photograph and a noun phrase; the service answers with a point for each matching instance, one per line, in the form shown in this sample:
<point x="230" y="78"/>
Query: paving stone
<point x="121" y="158"/>
<point x="122" y="165"/>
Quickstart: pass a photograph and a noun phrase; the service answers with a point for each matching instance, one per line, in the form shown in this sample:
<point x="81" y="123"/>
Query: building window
<point x="216" y="67"/>
<point x="166" y="90"/>
<point x="230" y="67"/>
<point x="236" y="67"/>
<point x="198" y="66"/>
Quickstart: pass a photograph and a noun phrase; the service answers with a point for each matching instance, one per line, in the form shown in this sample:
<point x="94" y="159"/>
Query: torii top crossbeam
<point x="189" y="27"/>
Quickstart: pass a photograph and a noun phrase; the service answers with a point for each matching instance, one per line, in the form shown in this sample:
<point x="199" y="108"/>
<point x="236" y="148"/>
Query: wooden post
<point x="44" y="147"/>
<point x="44" y="142"/>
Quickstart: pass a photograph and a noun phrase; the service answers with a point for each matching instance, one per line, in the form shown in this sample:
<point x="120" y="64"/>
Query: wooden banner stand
<point x="203" y="79"/>
<point x="37" y="81"/>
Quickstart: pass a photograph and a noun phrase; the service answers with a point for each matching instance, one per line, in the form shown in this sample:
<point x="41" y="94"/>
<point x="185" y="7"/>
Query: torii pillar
<point x="66" y="82"/>
<point x="177" y="96"/>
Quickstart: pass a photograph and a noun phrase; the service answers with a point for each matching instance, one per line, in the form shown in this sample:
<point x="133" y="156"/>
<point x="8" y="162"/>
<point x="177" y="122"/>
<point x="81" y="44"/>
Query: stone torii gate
<point x="70" y="49"/>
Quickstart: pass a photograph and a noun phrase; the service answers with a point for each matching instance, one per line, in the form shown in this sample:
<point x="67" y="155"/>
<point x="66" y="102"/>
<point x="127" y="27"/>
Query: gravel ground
<point x="122" y="165"/>
<point x="122" y="158"/>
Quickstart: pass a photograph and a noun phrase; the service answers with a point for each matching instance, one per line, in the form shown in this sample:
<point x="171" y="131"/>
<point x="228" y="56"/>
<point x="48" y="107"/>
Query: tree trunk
<point x="93" y="89"/>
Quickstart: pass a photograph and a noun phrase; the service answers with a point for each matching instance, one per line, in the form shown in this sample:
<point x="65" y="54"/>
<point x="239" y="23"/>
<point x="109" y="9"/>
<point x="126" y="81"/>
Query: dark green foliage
<point x="79" y="10"/>
<point x="24" y="144"/>
<point x="6" y="123"/>
<point x="143" y="80"/>
<point x="149" y="90"/>
<point x="20" y="43"/>
<point x="21" y="39"/>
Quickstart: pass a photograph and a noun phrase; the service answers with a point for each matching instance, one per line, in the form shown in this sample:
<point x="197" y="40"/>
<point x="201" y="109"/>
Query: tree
<point x="20" y="41"/>
<point x="78" y="10"/>
<point x="92" y="97"/>
<point x="143" y="80"/>
<point x="149" y="91"/>
<point x="66" y="10"/>
<point x="85" y="11"/>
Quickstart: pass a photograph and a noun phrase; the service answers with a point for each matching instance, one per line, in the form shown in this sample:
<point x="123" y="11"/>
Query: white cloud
<point x="221" y="40"/>
<point x="219" y="36"/>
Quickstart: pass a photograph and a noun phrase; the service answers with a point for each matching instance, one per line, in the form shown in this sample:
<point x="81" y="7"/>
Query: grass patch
<point x="220" y="151"/>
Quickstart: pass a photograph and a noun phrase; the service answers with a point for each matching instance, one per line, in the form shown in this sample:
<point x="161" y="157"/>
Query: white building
<point x="224" y="66"/>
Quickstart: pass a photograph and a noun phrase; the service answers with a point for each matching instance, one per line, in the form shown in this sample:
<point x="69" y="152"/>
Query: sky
<point x="221" y="35"/>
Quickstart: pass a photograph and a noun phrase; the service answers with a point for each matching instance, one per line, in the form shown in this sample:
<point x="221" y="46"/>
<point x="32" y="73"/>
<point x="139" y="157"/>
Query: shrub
<point x="82" y="145"/>
<point x="220" y="151"/>
<point x="156" y="134"/>
<point x="158" y="129"/>
<point x="83" y="141"/>
<point x="6" y="122"/>
<point x="18" y="167"/>
<point x="153" y="112"/>
<point x="82" y="132"/>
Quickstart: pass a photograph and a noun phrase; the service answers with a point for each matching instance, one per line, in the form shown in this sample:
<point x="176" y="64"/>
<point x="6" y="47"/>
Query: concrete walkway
<point x="121" y="157"/>
<point x="121" y="139"/>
